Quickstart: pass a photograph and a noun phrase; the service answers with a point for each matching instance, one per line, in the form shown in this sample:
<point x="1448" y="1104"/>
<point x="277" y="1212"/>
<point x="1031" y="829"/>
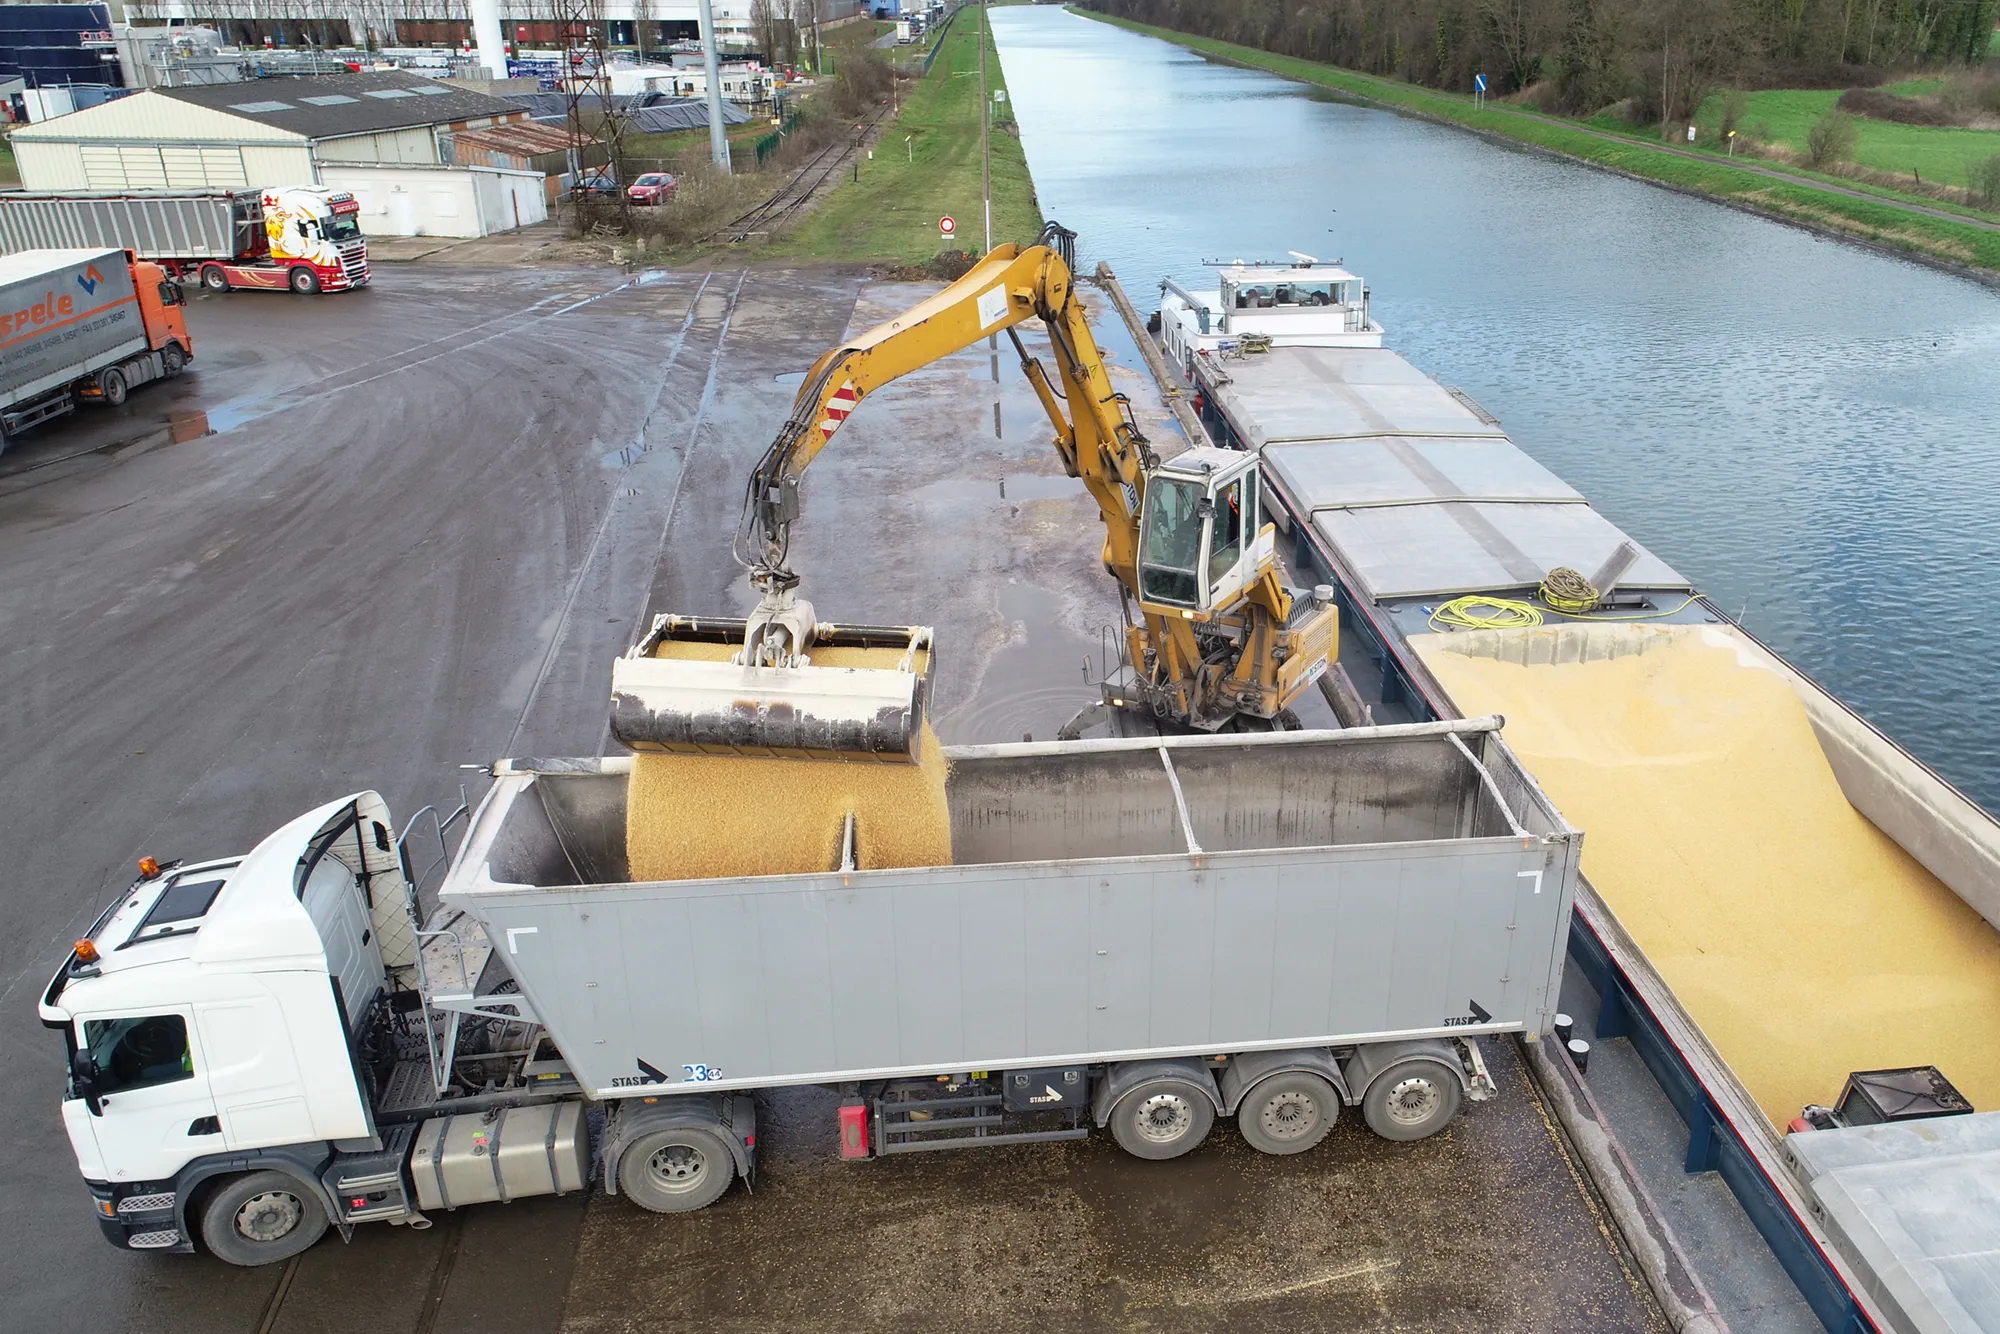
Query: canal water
<point x="1808" y="430"/>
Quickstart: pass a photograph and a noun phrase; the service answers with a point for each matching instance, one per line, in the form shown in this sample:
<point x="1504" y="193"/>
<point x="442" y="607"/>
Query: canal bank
<point x="1955" y="242"/>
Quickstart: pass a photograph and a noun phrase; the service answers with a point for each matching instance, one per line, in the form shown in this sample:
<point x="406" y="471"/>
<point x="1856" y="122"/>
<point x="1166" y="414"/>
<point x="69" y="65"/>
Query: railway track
<point x="789" y="198"/>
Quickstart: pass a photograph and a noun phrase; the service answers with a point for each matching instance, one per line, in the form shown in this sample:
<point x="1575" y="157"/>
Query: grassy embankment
<point x="10" y="174"/>
<point x="926" y="166"/>
<point x="1796" y="198"/>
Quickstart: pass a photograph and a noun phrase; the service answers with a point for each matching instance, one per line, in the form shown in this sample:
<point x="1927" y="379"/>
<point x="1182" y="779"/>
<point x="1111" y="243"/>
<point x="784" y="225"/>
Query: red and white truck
<point x="304" y="238"/>
<point x="83" y="324"/>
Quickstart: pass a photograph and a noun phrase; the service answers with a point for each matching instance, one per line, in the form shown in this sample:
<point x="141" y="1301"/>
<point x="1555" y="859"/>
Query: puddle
<point x="1031" y="688"/>
<point x="791" y="378"/>
<point x="1018" y="486"/>
<point x="185" y="426"/>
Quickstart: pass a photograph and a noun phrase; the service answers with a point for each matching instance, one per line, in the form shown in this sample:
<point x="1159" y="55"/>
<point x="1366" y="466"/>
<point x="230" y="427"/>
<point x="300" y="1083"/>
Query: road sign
<point x="946" y="226"/>
<point x="1479" y="83"/>
<point x="999" y="94"/>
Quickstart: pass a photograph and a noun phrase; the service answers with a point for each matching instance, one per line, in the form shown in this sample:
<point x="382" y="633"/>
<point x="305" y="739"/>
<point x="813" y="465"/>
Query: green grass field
<point x="1881" y="222"/>
<point x="926" y="165"/>
<point x="1940" y="153"/>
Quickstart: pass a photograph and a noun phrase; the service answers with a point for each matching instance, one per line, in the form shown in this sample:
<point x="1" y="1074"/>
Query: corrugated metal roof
<point x="151" y="117"/>
<point x="521" y="139"/>
<point x="328" y="106"/>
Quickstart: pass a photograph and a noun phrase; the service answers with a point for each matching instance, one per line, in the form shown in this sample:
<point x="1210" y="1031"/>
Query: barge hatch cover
<point x="1422" y="496"/>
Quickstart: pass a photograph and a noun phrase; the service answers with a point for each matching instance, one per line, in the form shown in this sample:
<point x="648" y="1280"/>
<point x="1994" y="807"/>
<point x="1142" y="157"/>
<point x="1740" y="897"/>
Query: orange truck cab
<point x="83" y="325"/>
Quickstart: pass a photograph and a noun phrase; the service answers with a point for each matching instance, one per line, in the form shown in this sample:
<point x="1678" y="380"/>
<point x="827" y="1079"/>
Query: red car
<point x="655" y="187"/>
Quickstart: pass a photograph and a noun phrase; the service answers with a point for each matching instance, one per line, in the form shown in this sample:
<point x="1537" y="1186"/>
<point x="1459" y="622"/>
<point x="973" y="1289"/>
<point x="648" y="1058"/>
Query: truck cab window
<point x="138" y="1052"/>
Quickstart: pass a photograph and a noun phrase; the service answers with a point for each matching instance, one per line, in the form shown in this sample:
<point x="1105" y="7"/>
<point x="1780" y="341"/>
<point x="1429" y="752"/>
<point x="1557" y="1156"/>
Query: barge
<point x="1785" y="911"/>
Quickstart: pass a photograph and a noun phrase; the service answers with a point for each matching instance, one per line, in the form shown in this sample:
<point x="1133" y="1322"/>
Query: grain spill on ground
<point x="1803" y="940"/>
<point x="691" y="817"/>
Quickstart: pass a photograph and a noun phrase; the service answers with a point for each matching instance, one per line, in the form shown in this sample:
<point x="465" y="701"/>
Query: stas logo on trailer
<point x="88" y="280"/>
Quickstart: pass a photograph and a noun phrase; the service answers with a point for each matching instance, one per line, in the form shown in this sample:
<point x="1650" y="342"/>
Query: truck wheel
<point x="676" y="1170"/>
<point x="213" y="278"/>
<point x="1163" y="1118"/>
<point x="304" y="281"/>
<point x="112" y="384"/>
<point x="1413" y="1100"/>
<point x="261" y="1218"/>
<point x="172" y="359"/>
<point x="1288" y="1113"/>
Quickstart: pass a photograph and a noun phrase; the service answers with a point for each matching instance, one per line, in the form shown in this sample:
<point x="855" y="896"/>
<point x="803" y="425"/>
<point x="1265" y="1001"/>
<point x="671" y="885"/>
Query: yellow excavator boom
<point x="1204" y="647"/>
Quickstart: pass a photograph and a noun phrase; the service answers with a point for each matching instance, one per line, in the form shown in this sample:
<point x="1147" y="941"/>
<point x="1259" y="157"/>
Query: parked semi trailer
<point x="82" y="324"/>
<point x="1138" y="935"/>
<point x="303" y="238"/>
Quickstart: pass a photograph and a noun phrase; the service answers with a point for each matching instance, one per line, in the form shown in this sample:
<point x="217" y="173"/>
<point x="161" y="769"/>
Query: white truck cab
<point x="210" y="1018"/>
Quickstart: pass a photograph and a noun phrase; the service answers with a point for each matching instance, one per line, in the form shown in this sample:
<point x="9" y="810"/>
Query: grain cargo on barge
<point x="1782" y="908"/>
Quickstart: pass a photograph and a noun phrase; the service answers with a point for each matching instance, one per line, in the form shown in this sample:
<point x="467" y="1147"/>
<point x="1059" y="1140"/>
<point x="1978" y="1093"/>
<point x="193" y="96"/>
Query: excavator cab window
<point x="1170" y="545"/>
<point x="1226" y="547"/>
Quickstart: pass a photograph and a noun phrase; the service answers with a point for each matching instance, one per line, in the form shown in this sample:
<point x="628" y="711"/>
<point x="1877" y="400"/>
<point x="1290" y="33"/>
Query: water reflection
<point x="1805" y="428"/>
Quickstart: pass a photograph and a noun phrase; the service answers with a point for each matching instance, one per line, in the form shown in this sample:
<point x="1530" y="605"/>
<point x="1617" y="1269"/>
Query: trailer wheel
<point x="260" y="1218"/>
<point x="1288" y="1113"/>
<point x="676" y="1170"/>
<point x="111" y="383"/>
<point x="304" y="281"/>
<point x="1163" y="1118"/>
<point x="1413" y="1100"/>
<point x="213" y="278"/>
<point x="172" y="359"/>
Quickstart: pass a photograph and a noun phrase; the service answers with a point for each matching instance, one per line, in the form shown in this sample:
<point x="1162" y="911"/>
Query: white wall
<point x="169" y="166"/>
<point x="416" y="144"/>
<point x="438" y="201"/>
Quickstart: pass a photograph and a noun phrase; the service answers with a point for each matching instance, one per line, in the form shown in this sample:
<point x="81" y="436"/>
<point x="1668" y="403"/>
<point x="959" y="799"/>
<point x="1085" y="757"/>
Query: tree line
<point x="1580" y="56"/>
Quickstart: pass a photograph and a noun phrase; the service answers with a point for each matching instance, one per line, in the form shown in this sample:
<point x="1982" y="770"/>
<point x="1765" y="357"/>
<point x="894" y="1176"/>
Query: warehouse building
<point x="266" y="132"/>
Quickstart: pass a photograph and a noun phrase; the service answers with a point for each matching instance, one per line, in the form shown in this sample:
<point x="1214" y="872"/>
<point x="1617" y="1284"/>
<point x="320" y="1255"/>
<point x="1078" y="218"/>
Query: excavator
<point x="1213" y="640"/>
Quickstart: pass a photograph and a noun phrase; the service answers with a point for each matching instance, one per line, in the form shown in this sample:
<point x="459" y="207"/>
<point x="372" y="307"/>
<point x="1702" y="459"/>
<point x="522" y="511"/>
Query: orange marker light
<point x="148" y="867"/>
<point x="86" y="950"/>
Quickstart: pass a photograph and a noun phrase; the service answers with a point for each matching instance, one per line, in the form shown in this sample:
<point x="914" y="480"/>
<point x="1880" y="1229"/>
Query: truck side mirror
<point x="83" y="1079"/>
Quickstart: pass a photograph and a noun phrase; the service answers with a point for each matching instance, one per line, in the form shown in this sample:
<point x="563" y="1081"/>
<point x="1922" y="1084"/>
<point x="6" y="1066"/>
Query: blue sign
<point x="1479" y="82"/>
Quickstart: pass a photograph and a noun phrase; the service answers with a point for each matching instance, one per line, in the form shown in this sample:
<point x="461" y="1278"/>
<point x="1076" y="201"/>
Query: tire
<point x="303" y="280"/>
<point x="676" y="1170"/>
<point x="1162" y="1118"/>
<point x="1288" y="1113"/>
<point x="112" y="384"/>
<point x="1410" y="1101"/>
<point x="172" y="359"/>
<point x="213" y="278"/>
<point x="261" y="1218"/>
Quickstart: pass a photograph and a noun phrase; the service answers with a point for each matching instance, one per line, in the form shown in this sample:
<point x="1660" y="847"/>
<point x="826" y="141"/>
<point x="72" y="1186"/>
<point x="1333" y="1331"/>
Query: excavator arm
<point x="1211" y="634"/>
<point x="1102" y="445"/>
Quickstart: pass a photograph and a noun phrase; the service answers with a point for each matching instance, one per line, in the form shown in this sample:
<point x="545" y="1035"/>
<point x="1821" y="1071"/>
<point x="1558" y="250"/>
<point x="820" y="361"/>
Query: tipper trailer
<point x="83" y="324"/>
<point x="304" y="238"/>
<point x="1143" y="935"/>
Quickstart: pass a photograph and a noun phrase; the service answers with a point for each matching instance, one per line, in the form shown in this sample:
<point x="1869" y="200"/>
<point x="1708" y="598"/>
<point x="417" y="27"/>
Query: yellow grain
<point x="691" y="817"/>
<point x="1802" y="939"/>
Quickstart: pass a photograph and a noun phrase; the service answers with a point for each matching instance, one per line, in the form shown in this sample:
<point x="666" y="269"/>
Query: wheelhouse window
<point x="138" y="1052"/>
<point x="1170" y="548"/>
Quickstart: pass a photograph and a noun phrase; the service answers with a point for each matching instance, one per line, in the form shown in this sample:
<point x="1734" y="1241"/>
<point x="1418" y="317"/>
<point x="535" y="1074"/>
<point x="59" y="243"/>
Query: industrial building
<point x="267" y="132"/>
<point x="651" y="24"/>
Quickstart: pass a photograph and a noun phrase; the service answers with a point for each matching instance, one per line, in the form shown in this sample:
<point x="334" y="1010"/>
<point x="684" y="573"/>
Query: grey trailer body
<point x="167" y="225"/>
<point x="1111" y="901"/>
<point x="64" y="314"/>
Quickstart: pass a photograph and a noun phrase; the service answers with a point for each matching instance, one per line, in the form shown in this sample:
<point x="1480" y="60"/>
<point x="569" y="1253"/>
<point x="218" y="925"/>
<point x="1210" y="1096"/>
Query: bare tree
<point x="642" y="18"/>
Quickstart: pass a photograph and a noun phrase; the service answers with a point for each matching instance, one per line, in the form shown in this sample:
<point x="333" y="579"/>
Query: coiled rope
<point x="1568" y="592"/>
<point x="1478" y="612"/>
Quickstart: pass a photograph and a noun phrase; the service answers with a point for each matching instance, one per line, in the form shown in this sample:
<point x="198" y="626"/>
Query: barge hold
<point x="1775" y="895"/>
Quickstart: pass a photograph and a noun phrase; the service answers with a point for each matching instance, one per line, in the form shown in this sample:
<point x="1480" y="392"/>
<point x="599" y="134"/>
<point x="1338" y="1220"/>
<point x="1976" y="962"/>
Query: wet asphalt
<point x="374" y="537"/>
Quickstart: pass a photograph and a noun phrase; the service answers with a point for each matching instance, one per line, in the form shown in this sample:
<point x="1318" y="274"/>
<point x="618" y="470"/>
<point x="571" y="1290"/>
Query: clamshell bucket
<point x="862" y="695"/>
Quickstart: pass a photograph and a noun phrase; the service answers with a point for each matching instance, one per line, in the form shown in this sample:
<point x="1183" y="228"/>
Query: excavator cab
<point x="1202" y="536"/>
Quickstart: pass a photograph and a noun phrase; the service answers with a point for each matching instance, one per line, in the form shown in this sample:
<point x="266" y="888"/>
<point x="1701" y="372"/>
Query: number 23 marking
<point x="701" y="1074"/>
